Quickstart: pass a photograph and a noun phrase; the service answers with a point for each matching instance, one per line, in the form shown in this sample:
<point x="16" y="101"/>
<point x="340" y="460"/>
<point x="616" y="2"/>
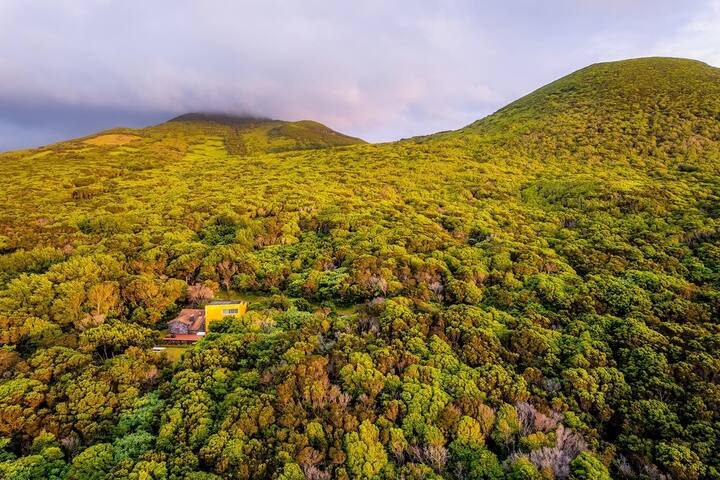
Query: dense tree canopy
<point x="535" y="296"/>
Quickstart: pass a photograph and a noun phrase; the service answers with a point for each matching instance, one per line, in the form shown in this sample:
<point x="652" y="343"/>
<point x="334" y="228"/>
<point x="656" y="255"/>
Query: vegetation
<point x="539" y="294"/>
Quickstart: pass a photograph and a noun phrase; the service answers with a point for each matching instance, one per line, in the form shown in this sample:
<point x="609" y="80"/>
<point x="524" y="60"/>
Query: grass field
<point x="111" y="139"/>
<point x="174" y="352"/>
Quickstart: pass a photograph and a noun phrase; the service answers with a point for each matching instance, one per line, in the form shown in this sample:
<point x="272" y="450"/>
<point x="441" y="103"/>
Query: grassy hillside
<point x="539" y="293"/>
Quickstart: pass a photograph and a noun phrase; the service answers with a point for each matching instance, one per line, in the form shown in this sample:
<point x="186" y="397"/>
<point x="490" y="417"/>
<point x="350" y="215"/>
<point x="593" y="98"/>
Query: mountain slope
<point x="239" y="136"/>
<point x="248" y="135"/>
<point x="656" y="107"/>
<point x="531" y="296"/>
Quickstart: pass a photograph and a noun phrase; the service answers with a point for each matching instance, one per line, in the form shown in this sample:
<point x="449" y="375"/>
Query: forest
<point x="535" y="296"/>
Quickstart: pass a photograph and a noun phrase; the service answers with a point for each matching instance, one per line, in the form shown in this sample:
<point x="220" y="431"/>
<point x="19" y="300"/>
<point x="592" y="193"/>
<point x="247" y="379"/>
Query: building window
<point x="230" y="311"/>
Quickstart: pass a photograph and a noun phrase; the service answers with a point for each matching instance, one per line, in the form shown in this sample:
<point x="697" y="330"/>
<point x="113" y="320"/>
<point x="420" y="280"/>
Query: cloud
<point x="376" y="69"/>
<point x="699" y="38"/>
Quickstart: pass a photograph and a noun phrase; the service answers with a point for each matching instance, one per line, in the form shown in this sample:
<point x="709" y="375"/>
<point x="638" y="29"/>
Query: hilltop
<point x="248" y="135"/>
<point x="667" y="108"/>
<point x="531" y="296"/>
<point x="240" y="135"/>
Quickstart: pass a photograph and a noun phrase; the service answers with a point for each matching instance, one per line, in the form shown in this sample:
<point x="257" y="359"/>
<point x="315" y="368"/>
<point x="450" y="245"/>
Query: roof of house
<point x="226" y="302"/>
<point x="190" y="317"/>
<point x="198" y="324"/>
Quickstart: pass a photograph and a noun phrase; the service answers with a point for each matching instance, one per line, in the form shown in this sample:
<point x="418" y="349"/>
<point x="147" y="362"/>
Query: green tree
<point x="93" y="463"/>
<point x="586" y="467"/>
<point x="366" y="456"/>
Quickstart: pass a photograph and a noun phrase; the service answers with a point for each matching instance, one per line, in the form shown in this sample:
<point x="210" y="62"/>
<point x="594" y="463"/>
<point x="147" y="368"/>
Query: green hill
<point x="239" y="135"/>
<point x="248" y="135"/>
<point x="535" y="295"/>
<point x="649" y="107"/>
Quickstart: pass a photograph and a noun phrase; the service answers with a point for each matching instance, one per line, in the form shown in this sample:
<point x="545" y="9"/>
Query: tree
<point x="360" y="376"/>
<point x="587" y="467"/>
<point x="93" y="463"/>
<point x="469" y="430"/>
<point x="472" y="460"/>
<point x="199" y="293"/>
<point x="522" y="469"/>
<point x="366" y="456"/>
<point x="45" y="463"/>
<point x="20" y="401"/>
<point x="291" y="471"/>
<point x="111" y="339"/>
<point x="227" y="269"/>
<point x="103" y="297"/>
<point x="132" y="445"/>
<point x="680" y="461"/>
<point x="507" y="425"/>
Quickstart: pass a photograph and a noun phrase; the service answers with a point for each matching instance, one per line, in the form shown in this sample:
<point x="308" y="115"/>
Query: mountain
<point x="535" y="295"/>
<point x="247" y="135"/>
<point x="240" y="135"/>
<point x="648" y="107"/>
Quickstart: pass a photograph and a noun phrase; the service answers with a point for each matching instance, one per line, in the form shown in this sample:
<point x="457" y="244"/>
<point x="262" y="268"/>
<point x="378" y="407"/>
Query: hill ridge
<point x="220" y="117"/>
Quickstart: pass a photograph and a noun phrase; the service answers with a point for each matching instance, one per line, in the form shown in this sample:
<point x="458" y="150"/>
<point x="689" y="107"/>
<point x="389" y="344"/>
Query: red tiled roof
<point x="190" y="316"/>
<point x="198" y="324"/>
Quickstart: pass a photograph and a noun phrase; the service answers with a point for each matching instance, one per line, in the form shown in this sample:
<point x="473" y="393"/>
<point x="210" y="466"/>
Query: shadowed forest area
<point x="534" y="296"/>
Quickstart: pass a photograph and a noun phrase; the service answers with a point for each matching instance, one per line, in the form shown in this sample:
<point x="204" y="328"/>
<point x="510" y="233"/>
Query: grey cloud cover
<point x="380" y="70"/>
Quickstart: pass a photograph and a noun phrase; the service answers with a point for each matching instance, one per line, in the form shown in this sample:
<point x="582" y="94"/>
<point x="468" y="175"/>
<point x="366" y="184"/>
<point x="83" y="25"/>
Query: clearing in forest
<point x="111" y="139"/>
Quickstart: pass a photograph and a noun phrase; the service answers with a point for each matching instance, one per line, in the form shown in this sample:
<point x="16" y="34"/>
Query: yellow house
<point x="219" y="309"/>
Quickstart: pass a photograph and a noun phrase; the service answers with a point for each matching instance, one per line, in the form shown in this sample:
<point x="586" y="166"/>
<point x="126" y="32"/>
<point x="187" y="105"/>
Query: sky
<point x="377" y="69"/>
